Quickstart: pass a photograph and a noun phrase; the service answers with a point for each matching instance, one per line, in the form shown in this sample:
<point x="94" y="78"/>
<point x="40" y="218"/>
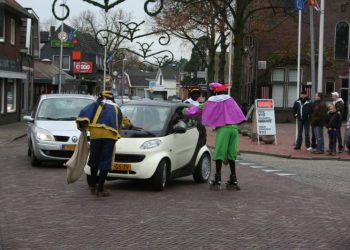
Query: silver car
<point x="52" y="132"/>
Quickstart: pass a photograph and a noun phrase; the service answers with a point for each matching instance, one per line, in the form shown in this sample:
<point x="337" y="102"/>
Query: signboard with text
<point x="82" y="67"/>
<point x="265" y="117"/>
<point x="57" y="44"/>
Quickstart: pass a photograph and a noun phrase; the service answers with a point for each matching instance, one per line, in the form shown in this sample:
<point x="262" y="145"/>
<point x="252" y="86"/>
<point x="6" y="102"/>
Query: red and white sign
<point x="82" y="67"/>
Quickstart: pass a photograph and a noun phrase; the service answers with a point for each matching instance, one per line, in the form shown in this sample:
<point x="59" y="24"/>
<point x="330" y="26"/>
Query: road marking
<point x="258" y="166"/>
<point x="285" y="174"/>
<point x="270" y="170"/>
<point x="245" y="163"/>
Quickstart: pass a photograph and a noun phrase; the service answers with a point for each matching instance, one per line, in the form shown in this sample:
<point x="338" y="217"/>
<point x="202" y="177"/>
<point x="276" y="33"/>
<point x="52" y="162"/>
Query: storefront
<point x="10" y="95"/>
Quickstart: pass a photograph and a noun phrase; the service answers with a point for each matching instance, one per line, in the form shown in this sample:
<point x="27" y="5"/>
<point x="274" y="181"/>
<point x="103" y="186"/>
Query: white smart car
<point x="162" y="145"/>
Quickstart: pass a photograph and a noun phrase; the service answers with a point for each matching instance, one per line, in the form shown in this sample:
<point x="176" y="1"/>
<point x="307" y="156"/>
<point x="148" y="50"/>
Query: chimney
<point x="52" y="30"/>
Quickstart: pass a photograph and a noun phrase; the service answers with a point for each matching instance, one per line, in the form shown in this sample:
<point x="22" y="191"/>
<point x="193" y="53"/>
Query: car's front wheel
<point x="203" y="169"/>
<point x="33" y="160"/>
<point x="160" y="177"/>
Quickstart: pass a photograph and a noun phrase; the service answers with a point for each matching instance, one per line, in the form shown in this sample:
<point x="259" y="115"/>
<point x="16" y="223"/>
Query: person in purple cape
<point x="222" y="112"/>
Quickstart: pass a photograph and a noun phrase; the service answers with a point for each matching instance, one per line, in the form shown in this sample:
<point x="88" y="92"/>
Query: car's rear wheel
<point x="160" y="177"/>
<point x="203" y="169"/>
<point x="33" y="160"/>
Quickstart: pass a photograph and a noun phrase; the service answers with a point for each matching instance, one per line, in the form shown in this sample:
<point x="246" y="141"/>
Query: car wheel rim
<point x="206" y="167"/>
<point x="164" y="176"/>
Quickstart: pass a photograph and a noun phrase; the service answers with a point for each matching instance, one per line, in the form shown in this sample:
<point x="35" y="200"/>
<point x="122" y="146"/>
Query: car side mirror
<point x="28" y="118"/>
<point x="179" y="130"/>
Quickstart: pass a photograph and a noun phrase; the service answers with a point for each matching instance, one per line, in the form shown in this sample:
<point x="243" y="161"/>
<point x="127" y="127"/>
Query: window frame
<point x="2" y="95"/>
<point x="69" y="58"/>
<point x="3" y="35"/>
<point x="335" y="41"/>
<point x="284" y="76"/>
<point x="12" y="31"/>
<point x="14" y="96"/>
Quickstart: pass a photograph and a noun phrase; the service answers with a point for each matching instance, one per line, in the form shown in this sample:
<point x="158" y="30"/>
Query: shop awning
<point x="12" y="74"/>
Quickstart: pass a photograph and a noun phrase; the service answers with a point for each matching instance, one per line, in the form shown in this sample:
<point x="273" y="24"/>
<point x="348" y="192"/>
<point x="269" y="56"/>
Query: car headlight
<point x="151" y="144"/>
<point x="44" y="135"/>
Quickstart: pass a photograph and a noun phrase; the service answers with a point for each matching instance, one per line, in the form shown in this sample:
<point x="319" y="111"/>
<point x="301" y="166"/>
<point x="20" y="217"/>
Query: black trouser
<point x="303" y="124"/>
<point x="313" y="137"/>
<point x="340" y="141"/>
<point x="332" y="140"/>
<point x="100" y="180"/>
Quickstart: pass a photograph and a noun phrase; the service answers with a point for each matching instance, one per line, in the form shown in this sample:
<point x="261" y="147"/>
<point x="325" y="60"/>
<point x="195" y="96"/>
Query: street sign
<point x="63" y="36"/>
<point x="265" y="117"/>
<point x="57" y="44"/>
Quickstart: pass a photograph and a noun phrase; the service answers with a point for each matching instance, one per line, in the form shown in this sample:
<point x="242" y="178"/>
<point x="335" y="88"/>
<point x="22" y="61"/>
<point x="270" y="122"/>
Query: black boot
<point x="216" y="182"/>
<point x="232" y="183"/>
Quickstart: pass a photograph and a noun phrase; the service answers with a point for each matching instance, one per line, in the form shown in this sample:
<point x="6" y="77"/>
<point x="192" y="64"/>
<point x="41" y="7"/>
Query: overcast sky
<point x="43" y="9"/>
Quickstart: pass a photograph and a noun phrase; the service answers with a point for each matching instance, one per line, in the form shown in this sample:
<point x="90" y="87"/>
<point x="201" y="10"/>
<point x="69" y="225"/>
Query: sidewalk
<point x="284" y="147"/>
<point x="13" y="131"/>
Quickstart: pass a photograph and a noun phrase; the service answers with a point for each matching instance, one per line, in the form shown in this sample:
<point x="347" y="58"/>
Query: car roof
<point x="156" y="103"/>
<point x="47" y="96"/>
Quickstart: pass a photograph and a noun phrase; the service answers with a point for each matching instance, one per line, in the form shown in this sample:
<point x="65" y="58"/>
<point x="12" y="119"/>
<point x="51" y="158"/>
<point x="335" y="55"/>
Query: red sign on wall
<point x="76" y="55"/>
<point x="82" y="67"/>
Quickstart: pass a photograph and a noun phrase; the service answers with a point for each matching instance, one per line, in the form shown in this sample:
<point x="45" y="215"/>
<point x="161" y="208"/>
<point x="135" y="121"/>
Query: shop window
<point x="2" y="25"/>
<point x="341" y="41"/>
<point x="65" y="62"/>
<point x="329" y="87"/>
<point x="13" y="32"/>
<point x="292" y="75"/>
<point x="292" y="95"/>
<point x="11" y="95"/>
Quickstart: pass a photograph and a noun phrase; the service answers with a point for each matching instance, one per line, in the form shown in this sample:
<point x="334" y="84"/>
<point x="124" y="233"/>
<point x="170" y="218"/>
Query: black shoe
<point x="232" y="183"/>
<point x="296" y="148"/>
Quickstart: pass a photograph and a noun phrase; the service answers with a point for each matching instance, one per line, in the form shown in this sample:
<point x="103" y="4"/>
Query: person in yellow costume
<point x="103" y="119"/>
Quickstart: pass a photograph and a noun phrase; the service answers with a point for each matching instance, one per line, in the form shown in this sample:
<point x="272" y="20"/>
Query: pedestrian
<point x="348" y="135"/>
<point x="194" y="96"/>
<point x="222" y="112"/>
<point x="318" y="121"/>
<point x="333" y="125"/>
<point x="339" y="106"/>
<point x="103" y="119"/>
<point x="302" y="110"/>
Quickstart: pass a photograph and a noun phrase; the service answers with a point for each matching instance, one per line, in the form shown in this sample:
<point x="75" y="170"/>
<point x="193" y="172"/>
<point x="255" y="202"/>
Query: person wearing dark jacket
<point x="317" y="121"/>
<point x="333" y="125"/>
<point x="302" y="110"/>
<point x="339" y="106"/>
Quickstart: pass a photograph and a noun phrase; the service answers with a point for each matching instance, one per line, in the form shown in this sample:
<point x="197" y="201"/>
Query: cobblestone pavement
<point x="40" y="211"/>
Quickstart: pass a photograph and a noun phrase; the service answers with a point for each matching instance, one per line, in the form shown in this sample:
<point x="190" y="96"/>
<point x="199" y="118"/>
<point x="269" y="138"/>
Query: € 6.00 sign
<point x="82" y="67"/>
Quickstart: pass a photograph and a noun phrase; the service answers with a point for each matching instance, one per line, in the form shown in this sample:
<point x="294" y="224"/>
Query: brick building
<point x="277" y="47"/>
<point x="17" y="50"/>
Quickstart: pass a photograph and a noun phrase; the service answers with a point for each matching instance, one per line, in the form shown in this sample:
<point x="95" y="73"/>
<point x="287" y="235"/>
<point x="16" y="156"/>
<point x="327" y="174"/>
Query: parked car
<point x="52" y="132"/>
<point x="135" y="97"/>
<point x="123" y="99"/>
<point x="161" y="145"/>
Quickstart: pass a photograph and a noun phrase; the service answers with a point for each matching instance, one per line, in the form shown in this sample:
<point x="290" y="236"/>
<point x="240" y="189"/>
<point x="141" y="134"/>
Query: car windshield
<point x="149" y="118"/>
<point x="61" y="109"/>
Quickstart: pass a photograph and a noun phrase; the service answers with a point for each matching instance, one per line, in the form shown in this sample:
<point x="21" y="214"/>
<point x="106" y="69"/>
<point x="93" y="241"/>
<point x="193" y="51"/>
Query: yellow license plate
<point x="68" y="147"/>
<point x="121" y="166"/>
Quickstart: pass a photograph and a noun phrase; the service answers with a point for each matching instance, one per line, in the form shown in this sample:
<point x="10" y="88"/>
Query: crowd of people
<point x="317" y="115"/>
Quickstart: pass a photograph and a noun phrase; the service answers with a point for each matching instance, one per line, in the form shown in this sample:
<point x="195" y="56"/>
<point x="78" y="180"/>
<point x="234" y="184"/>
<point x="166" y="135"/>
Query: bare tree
<point x="109" y="22"/>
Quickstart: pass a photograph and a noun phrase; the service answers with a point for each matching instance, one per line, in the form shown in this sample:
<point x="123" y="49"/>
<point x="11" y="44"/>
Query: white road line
<point x="258" y="167"/>
<point x="270" y="170"/>
<point x="245" y="163"/>
<point x="285" y="174"/>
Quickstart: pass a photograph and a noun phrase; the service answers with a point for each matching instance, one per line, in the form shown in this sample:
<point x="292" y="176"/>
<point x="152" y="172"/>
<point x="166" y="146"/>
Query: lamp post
<point x="61" y="52"/>
<point x="122" y="80"/>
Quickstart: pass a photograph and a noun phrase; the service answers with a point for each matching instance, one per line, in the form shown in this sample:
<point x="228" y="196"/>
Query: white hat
<point x="335" y="94"/>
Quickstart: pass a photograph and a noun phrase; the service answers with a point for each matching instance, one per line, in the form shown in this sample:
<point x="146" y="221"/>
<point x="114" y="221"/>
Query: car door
<point x="184" y="145"/>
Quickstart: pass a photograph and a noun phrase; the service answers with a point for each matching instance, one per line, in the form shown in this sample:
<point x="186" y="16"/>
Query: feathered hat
<point x="218" y="87"/>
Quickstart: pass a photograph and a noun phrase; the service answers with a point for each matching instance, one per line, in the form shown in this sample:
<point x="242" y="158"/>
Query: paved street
<point x="40" y="211"/>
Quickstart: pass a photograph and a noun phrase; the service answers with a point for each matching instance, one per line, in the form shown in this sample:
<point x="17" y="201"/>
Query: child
<point x="333" y="124"/>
